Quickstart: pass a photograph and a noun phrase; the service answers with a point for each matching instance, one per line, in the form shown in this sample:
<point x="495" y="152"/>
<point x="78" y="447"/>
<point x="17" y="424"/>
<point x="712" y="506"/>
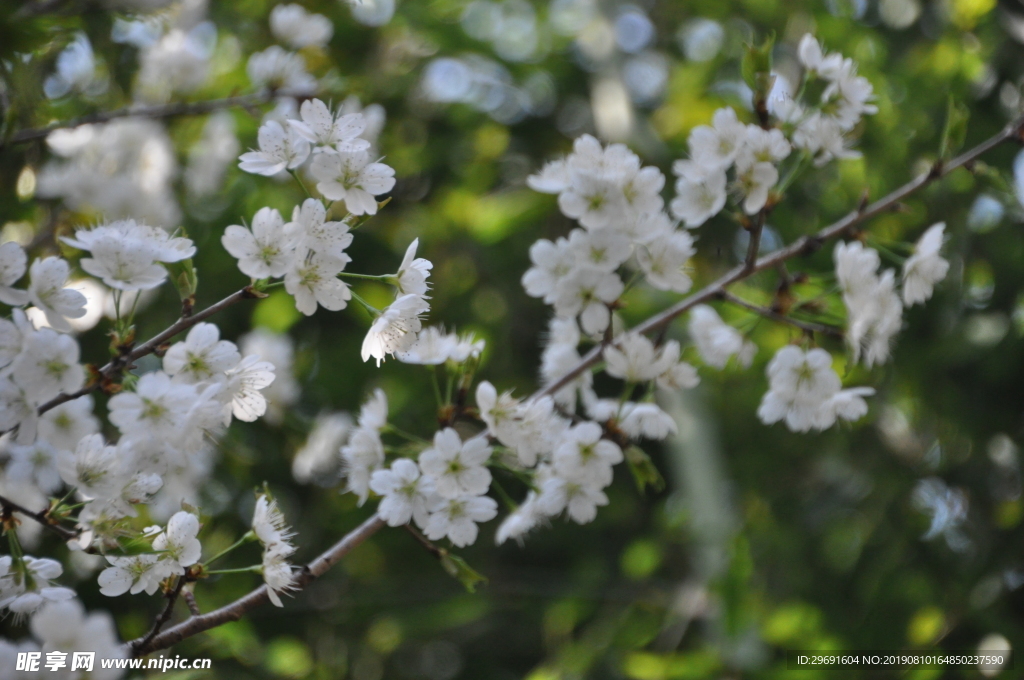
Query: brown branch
<point x="427" y="544"/>
<point x="754" y="247"/>
<point x="114" y="368"/>
<point x="159" y="111"/>
<point x="805" y="245"/>
<point x="190" y="600"/>
<point x="165" y="615"/>
<point x="42" y="518"/>
<point x="782" y="318"/>
<point x="235" y="610"/>
<point x="38" y="8"/>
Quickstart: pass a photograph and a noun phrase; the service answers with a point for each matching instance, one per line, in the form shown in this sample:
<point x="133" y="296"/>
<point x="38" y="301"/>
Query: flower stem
<point x="248" y="537"/>
<point x="437" y="386"/>
<point x="370" y="308"/>
<point x="505" y="498"/>
<point x="407" y="435"/>
<point x="352" y="275"/>
<point x="296" y="176"/>
<point x="242" y="570"/>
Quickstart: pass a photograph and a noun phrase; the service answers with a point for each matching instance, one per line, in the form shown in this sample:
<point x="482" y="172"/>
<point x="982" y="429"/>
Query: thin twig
<point x="754" y="247"/>
<point x="782" y="318"/>
<point x="37" y="8"/>
<point x="160" y="111"/>
<point x="425" y="542"/>
<point x="165" y="615"/>
<point x="42" y="518"/>
<point x="190" y="600"/>
<point x="235" y="610"/>
<point x="805" y="245"/>
<point x="113" y="368"/>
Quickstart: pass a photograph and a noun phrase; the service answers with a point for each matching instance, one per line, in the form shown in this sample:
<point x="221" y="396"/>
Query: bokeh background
<point x="903" y="531"/>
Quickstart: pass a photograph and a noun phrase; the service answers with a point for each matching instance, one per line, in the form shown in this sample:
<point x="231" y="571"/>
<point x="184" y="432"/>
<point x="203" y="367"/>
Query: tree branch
<point x="42" y="518"/>
<point x="782" y="318"/>
<point x="805" y="245"/>
<point x="159" y="111"/>
<point x="165" y="615"/>
<point x="235" y="610"/>
<point x="126" y="361"/>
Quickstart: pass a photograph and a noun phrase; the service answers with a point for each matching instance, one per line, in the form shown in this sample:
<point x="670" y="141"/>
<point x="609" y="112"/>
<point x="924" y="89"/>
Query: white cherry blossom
<point x="700" y="192"/>
<point x="268" y="523"/>
<point x="717" y="341"/>
<point x="457" y="518"/>
<point x="48" y="365"/>
<point x="351" y="176"/>
<point x="458" y="468"/>
<point x="293" y="25"/>
<point x="407" y="494"/>
<point x="318" y="234"/>
<point x="243" y="386"/>
<point x="432" y="347"/>
<point x="925" y="267"/>
<point x="65" y="424"/>
<point x="47" y="292"/>
<point x="276" y="68"/>
<point x="395" y="329"/>
<point x="202" y="356"/>
<point x="34" y="464"/>
<point x="320" y="127"/>
<point x="587" y="293"/>
<point x="94" y="469"/>
<point x="157" y="406"/>
<point x="280" y="149"/>
<point x="664" y="259"/>
<point x="413" y="272"/>
<point x="134" y="574"/>
<point x="178" y="543"/>
<point x="267" y="250"/>
<point x="312" y="281"/>
<point x="12" y="267"/>
<point x="583" y="456"/>
<point x="552" y="263"/>
<point x="24" y="592"/>
<point x="277" y="572"/>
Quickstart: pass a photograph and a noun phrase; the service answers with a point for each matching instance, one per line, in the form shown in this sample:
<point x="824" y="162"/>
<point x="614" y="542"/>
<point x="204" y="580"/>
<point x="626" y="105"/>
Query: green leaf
<point x="19" y="34"/>
<point x="184" y="276"/>
<point x="955" y="132"/>
<point x="645" y="472"/>
<point x="457" y="568"/>
<point x="756" y="66"/>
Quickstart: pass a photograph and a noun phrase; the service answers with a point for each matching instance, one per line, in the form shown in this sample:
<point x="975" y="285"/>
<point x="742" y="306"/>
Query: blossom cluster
<point x="566" y="445"/>
<point x="167" y="418"/>
<point x="562" y="444"/>
<point x="873" y="304"/>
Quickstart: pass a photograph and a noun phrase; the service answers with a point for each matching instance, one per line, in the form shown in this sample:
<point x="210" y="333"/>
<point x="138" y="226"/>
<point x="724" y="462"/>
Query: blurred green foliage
<point x="762" y="540"/>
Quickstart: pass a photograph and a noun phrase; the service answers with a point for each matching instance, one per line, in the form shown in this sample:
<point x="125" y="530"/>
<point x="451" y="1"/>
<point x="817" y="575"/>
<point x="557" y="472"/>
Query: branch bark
<point x="235" y="610"/>
<point x="42" y="518"/>
<point x="159" y="111"/>
<point x="115" y="366"/>
<point x="782" y="318"/>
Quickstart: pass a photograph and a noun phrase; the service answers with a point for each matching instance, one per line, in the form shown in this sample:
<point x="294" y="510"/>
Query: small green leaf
<point x="955" y="131"/>
<point x="457" y="568"/>
<point x="184" y="276"/>
<point x="993" y="177"/>
<point x="645" y="473"/>
<point x="756" y="65"/>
